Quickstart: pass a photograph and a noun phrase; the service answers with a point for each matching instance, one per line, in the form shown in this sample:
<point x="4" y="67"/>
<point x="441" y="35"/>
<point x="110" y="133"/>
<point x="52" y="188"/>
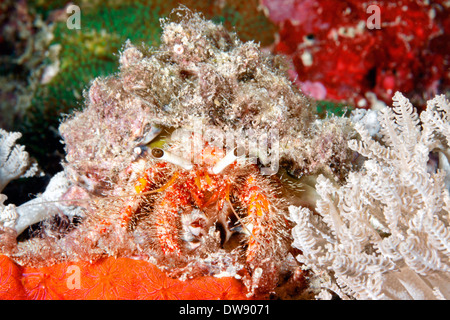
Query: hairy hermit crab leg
<point x="160" y="154"/>
<point x="242" y="222"/>
<point x="26" y="217"/>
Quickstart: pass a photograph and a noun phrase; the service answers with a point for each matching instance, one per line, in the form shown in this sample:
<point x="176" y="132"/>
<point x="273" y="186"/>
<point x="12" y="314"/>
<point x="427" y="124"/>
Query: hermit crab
<point x="206" y="194"/>
<point x="136" y="189"/>
<point x="215" y="214"/>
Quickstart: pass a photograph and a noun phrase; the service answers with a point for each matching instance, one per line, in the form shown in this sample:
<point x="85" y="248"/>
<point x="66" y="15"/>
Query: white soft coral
<point x="15" y="163"/>
<point x="385" y="233"/>
<point x="14" y="160"/>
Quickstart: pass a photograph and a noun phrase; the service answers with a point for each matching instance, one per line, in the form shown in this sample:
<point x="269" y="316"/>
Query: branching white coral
<point x="385" y="233"/>
<point x="42" y="207"/>
<point x="14" y="163"/>
<point x="8" y="214"/>
<point x="46" y="205"/>
<point x="14" y="160"/>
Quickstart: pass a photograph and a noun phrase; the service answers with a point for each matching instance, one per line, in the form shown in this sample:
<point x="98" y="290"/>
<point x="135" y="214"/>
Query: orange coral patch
<point x="10" y="275"/>
<point x="211" y="288"/>
<point x="47" y="283"/>
<point x="157" y="286"/>
<point x="108" y="279"/>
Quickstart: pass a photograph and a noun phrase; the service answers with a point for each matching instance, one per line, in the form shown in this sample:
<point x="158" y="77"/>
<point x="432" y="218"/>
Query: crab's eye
<point x="157" y="153"/>
<point x="171" y="158"/>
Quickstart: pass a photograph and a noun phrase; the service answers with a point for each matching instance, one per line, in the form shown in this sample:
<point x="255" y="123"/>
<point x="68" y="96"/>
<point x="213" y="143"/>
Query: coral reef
<point x="384" y="234"/>
<point x="199" y="170"/>
<point x="214" y="210"/>
<point x="339" y="49"/>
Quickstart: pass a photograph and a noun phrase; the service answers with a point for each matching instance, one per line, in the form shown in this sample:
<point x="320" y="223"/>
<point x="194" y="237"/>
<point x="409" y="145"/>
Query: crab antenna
<point x="225" y="162"/>
<point x="160" y="154"/>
